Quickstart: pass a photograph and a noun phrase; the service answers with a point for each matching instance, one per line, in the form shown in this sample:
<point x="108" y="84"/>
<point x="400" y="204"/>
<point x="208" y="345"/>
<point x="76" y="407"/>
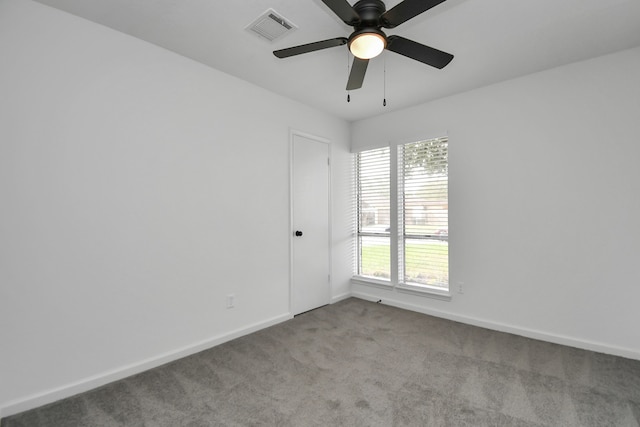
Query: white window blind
<point x="424" y="213"/>
<point x="374" y="216"/>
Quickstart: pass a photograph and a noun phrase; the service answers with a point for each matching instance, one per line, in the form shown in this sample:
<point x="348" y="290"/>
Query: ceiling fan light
<point x="367" y="45"/>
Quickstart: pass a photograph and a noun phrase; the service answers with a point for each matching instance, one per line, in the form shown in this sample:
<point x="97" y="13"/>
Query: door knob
<point x="298" y="233"/>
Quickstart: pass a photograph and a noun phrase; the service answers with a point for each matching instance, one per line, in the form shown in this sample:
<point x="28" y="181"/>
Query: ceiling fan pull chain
<point x="348" y="71"/>
<point x="384" y="81"/>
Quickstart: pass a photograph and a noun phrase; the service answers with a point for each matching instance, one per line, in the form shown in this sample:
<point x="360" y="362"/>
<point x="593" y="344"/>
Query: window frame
<point x="397" y="234"/>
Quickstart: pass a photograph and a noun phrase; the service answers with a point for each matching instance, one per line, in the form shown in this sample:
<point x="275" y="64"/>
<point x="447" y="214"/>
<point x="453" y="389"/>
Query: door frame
<point x="292" y="134"/>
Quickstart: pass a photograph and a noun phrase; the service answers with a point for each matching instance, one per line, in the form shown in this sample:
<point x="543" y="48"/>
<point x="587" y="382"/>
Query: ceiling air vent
<point x="271" y="25"/>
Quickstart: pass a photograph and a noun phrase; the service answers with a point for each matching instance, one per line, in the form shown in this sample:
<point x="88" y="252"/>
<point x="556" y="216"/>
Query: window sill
<point x="426" y="291"/>
<point x="423" y="291"/>
<point x="370" y="281"/>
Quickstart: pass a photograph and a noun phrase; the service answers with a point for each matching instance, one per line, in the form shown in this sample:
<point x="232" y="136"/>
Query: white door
<point x="310" y="223"/>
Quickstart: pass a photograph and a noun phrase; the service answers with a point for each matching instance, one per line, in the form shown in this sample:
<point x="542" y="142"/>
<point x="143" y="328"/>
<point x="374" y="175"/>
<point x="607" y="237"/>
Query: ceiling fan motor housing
<point x="370" y="12"/>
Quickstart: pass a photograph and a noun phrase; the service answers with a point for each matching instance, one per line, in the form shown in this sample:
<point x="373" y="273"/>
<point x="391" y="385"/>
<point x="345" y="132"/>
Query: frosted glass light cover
<point x="367" y="45"/>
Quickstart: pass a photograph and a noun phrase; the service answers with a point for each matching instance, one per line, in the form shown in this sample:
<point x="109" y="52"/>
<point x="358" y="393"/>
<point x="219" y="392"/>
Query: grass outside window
<point x="375" y="262"/>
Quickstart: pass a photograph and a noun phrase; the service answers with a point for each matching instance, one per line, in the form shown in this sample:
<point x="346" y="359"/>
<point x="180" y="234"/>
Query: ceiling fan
<point x="368" y="17"/>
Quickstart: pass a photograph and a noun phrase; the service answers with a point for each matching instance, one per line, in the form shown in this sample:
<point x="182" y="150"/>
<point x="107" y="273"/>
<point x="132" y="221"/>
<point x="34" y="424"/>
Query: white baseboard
<point x="86" y="384"/>
<point x="502" y="327"/>
<point x="338" y="298"/>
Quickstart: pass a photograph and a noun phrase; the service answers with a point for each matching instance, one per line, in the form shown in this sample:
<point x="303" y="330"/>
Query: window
<point x="407" y="246"/>
<point x="374" y="214"/>
<point x="424" y="213"/>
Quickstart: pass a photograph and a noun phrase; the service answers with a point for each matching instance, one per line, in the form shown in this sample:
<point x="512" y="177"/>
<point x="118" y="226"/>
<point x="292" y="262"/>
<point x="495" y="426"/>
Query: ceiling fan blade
<point x="405" y="11"/>
<point x="309" y="47"/>
<point x="356" y="76"/>
<point x="344" y="11"/>
<point x="419" y="52"/>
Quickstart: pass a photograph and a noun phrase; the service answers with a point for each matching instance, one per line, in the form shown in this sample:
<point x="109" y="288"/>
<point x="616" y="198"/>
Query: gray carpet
<point x="358" y="363"/>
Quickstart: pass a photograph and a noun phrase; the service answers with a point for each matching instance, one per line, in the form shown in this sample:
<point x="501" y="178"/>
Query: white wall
<point x="544" y="202"/>
<point x="122" y="228"/>
<point x="137" y="189"/>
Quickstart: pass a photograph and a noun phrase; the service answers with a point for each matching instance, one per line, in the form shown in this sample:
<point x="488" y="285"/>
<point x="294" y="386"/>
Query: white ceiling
<point x="492" y="40"/>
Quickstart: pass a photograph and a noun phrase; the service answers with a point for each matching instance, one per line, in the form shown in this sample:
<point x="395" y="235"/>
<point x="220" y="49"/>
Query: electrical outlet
<point x="231" y="300"/>
<point x="460" y="287"/>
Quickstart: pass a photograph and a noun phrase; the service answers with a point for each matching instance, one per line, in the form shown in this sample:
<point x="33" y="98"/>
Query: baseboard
<point x="86" y="384"/>
<point x="502" y="327"/>
<point x="341" y="297"/>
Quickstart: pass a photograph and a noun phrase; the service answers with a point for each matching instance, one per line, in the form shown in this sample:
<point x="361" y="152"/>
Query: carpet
<point x="358" y="363"/>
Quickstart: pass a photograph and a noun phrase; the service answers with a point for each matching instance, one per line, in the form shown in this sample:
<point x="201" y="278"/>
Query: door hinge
<point x="328" y="161"/>
<point x="328" y="277"/>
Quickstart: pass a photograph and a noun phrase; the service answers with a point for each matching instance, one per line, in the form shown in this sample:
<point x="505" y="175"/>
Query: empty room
<point x="319" y="212"/>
